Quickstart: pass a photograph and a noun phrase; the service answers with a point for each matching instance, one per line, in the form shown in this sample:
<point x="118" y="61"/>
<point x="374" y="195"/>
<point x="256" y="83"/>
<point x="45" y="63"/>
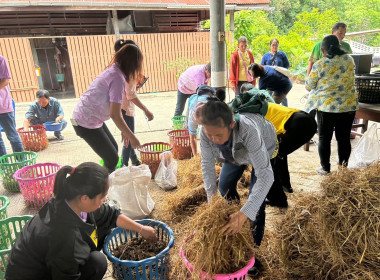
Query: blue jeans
<point x="228" y="179"/>
<point x="56" y="133"/>
<point x="181" y="101"/>
<point x="128" y="152"/>
<point x="7" y="121"/>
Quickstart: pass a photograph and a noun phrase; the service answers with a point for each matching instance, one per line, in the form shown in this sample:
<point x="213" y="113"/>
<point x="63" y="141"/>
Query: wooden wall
<point x="90" y="55"/>
<point x="18" y="53"/>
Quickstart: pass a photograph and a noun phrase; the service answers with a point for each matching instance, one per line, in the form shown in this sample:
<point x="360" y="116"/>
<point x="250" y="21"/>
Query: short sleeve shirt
<point x="93" y="108"/>
<point x="317" y="52"/>
<point x="281" y="59"/>
<point x="130" y="93"/>
<point x="192" y="78"/>
<point x="5" y="97"/>
<point x="332" y="85"/>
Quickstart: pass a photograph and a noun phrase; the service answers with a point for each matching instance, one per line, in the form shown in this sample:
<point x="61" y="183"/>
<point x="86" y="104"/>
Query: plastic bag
<point x="367" y="150"/>
<point x="283" y="71"/>
<point x="166" y="175"/>
<point x="129" y="189"/>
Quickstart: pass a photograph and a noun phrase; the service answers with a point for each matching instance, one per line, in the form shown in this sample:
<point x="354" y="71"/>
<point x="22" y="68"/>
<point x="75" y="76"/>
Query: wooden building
<point x="63" y="45"/>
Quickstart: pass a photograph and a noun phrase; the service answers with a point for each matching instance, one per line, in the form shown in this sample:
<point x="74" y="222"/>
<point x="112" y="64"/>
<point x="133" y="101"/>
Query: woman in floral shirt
<point x="332" y="93"/>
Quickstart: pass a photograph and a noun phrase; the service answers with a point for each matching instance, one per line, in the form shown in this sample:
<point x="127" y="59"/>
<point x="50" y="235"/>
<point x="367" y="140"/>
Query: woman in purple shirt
<point x="102" y="101"/>
<point x="188" y="83"/>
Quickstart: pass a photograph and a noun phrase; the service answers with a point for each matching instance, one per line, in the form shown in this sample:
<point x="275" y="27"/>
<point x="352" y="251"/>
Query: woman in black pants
<point x="103" y="100"/>
<point x="332" y="93"/>
<point x="294" y="128"/>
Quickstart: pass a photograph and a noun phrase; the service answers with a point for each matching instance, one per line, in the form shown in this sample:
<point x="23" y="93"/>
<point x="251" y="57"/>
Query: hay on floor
<point x="335" y="236"/>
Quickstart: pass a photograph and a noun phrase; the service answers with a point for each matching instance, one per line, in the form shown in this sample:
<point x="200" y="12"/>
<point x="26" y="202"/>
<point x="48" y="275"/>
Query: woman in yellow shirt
<point x="294" y="128"/>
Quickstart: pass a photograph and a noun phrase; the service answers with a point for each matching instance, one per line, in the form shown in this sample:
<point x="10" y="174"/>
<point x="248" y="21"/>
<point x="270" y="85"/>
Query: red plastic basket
<point x="180" y="141"/>
<point x="150" y="154"/>
<point x="34" y="139"/>
<point x="36" y="183"/>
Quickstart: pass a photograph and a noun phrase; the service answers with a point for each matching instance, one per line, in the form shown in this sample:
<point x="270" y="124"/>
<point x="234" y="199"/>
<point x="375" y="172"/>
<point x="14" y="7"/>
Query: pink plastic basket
<point x="36" y="183"/>
<point x="238" y="275"/>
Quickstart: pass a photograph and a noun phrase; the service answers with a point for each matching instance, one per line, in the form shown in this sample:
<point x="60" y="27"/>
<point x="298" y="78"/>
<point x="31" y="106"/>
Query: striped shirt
<point x="254" y="141"/>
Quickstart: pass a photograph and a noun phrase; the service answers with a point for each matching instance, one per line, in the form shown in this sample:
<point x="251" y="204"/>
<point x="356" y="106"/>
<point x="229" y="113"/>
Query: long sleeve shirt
<point x="254" y="142"/>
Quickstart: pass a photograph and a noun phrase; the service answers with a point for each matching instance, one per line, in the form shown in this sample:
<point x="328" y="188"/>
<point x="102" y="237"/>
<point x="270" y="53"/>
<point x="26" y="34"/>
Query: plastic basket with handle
<point x="180" y="141"/>
<point x="148" y="269"/>
<point x="53" y="126"/>
<point x="368" y="88"/>
<point x="34" y="139"/>
<point x="36" y="183"/>
<point x="4" y="207"/>
<point x="9" y="164"/>
<point x="10" y="229"/>
<point x="241" y="274"/>
<point x="178" y="122"/>
<point x="150" y="154"/>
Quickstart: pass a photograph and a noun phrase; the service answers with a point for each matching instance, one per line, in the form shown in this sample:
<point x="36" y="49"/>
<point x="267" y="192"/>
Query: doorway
<point x="53" y="69"/>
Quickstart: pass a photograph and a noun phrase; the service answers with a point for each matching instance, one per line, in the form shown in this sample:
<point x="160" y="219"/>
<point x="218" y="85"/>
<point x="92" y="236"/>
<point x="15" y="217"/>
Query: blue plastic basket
<point x="154" y="268"/>
<point x="53" y="126"/>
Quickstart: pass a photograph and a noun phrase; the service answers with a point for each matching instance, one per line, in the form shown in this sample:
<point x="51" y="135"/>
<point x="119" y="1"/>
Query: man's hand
<point x="149" y="115"/>
<point x="235" y="224"/>
<point x="58" y="119"/>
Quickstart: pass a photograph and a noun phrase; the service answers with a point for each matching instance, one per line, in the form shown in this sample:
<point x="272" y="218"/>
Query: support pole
<point x="218" y="46"/>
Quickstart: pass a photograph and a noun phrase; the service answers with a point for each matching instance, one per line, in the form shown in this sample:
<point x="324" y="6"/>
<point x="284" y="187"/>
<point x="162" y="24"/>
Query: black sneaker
<point x="255" y="269"/>
<point x="136" y="163"/>
<point x="60" y="137"/>
<point x="287" y="189"/>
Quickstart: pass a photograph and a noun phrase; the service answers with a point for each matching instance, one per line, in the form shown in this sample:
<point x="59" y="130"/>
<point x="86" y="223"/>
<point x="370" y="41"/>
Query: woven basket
<point x="150" y="154"/>
<point x="10" y="163"/>
<point x="34" y="139"/>
<point x="368" y="88"/>
<point x="36" y="183"/>
<point x="178" y="122"/>
<point x="180" y="141"/>
<point x="155" y="267"/>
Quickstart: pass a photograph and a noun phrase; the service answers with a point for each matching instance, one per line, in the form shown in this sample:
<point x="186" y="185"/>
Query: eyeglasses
<point x="274" y="45"/>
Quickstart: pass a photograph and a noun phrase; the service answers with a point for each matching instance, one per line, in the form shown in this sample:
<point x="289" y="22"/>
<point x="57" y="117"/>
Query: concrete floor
<point x="73" y="150"/>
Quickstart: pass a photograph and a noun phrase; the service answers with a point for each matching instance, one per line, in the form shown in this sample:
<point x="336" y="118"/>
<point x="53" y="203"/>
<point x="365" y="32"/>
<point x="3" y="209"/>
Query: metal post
<point x="115" y="25"/>
<point x="218" y="46"/>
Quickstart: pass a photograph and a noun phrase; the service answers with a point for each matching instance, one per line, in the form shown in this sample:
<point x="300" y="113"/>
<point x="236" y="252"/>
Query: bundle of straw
<point x="209" y="250"/>
<point x="337" y="235"/>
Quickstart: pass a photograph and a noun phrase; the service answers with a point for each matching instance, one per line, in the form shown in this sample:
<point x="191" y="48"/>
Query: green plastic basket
<point x="178" y="122"/>
<point x="10" y="229"/>
<point x="117" y="166"/>
<point x="9" y="164"/>
<point x="4" y="206"/>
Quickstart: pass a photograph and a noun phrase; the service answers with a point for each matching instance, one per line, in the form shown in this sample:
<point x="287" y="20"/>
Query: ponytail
<point x="88" y="178"/>
<point x="331" y="46"/>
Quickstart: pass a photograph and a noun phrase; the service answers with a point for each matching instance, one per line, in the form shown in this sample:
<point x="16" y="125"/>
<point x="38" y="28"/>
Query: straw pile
<point x="209" y="250"/>
<point x="336" y="236"/>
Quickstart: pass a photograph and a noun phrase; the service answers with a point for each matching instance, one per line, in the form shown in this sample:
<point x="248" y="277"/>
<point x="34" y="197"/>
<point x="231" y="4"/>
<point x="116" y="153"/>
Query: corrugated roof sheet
<point x="108" y="2"/>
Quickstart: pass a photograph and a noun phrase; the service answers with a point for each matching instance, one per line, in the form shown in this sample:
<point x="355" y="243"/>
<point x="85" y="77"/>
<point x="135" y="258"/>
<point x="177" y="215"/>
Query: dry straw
<point x="337" y="235"/>
<point x="209" y="250"/>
